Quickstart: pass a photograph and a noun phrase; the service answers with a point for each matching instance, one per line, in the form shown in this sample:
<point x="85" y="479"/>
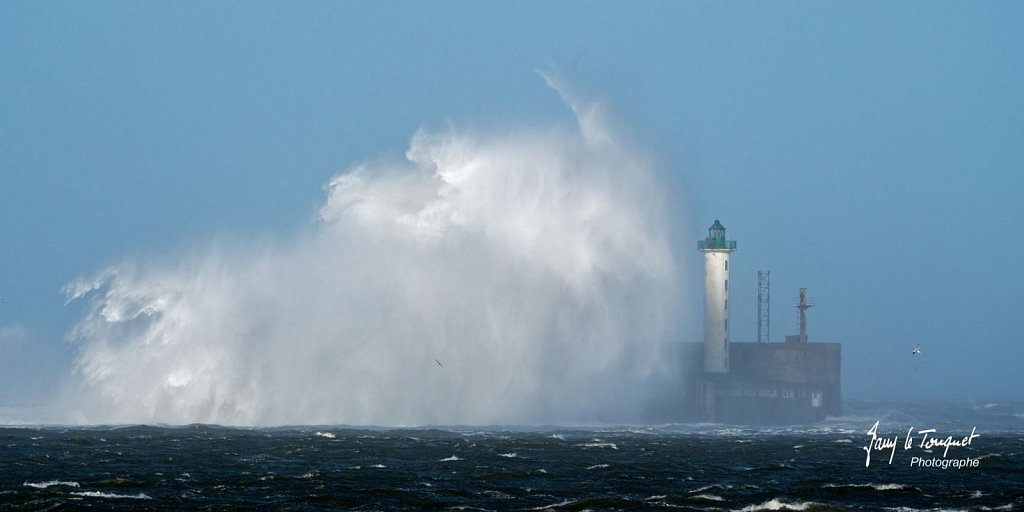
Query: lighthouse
<point x="716" y="251"/>
<point x="755" y="382"/>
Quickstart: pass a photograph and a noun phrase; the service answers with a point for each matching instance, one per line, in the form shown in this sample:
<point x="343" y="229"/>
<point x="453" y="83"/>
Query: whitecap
<point x="877" y="487"/>
<point x="889" y="487"/>
<point x="511" y="455"/>
<point x="51" y="483"/>
<point x="450" y="459"/>
<point x="553" y="505"/>
<point x="326" y="435"/>
<point x="775" y="504"/>
<point x="601" y="445"/>
<point x="597" y="466"/>
<point x="713" y="486"/>
<point x="97" y="494"/>
<point x="645" y="431"/>
<point x="708" y="497"/>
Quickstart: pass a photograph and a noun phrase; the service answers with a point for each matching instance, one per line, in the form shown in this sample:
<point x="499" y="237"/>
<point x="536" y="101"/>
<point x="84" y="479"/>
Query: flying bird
<point x="439" y="363"/>
<point x="917" y="349"/>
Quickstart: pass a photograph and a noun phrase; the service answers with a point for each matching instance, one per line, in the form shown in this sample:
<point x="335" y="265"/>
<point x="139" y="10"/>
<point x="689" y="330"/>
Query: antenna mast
<point x="803" y="306"/>
<point x="763" y="298"/>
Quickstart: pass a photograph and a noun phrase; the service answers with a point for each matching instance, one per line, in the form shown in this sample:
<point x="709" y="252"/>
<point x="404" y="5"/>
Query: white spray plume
<point x="526" y="277"/>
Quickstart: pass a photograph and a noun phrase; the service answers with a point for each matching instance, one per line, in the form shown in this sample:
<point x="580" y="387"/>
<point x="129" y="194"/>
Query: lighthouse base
<point x="769" y="384"/>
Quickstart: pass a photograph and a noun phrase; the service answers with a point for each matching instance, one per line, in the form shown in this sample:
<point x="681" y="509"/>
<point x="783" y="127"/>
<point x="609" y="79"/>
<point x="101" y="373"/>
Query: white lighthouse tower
<point x="716" y="251"/>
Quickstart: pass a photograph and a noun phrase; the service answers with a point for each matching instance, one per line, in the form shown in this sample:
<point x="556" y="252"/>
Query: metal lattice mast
<point x="763" y="300"/>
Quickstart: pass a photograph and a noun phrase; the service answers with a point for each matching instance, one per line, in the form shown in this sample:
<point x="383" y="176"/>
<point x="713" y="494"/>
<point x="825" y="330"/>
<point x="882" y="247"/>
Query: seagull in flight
<point x="439" y="363"/>
<point x="917" y="349"/>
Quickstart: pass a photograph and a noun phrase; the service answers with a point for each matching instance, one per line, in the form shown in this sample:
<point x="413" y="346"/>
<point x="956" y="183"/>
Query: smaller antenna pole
<point x="763" y="300"/>
<point x="803" y="306"/>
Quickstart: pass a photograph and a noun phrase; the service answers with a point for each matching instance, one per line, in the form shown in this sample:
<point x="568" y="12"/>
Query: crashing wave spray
<point x="526" y="277"/>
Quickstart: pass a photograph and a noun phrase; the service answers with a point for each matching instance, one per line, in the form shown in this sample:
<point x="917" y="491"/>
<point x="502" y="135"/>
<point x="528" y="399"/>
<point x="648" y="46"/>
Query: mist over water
<point x="524" y="276"/>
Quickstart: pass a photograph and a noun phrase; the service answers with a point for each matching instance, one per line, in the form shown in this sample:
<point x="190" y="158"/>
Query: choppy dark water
<point x="688" y="467"/>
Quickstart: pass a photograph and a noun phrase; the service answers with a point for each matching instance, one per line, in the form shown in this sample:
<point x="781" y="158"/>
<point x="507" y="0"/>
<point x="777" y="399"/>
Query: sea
<point x="934" y="457"/>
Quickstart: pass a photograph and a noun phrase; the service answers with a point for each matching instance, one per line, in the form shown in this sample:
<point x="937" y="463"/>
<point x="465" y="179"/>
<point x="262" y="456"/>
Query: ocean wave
<point x="600" y="444"/>
<point x="944" y="509"/>
<point x="877" y="487"/>
<point x="1008" y="506"/>
<point x="724" y="487"/>
<point x="98" y="494"/>
<point x="776" y="504"/>
<point x="708" y="497"/>
<point x="51" y="483"/>
<point x="260" y="458"/>
<point x="499" y="495"/>
<point x="554" y="505"/>
<point x="889" y="487"/>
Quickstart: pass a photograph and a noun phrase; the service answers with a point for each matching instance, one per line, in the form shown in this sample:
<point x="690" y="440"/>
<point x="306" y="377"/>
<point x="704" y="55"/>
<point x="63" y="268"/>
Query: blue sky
<point x="869" y="151"/>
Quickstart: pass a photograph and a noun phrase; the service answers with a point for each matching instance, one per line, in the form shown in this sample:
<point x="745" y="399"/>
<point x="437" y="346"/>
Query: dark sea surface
<point x="673" y="467"/>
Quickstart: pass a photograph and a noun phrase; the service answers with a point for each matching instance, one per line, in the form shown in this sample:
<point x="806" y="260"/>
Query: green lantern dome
<point x="716" y="239"/>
